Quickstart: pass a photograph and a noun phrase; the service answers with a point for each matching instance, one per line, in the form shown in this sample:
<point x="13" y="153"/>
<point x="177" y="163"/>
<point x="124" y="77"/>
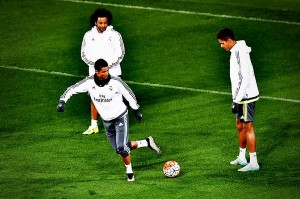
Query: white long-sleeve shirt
<point x="107" y="45"/>
<point x="243" y="83"/>
<point x="107" y="99"/>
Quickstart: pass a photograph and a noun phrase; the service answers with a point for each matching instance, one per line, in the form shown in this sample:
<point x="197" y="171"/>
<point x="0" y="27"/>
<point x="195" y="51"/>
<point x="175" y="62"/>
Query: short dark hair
<point x="100" y="63"/>
<point x="100" y="12"/>
<point x="225" y="34"/>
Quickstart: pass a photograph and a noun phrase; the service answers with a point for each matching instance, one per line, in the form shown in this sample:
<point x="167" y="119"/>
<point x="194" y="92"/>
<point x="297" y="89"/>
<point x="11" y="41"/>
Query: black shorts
<point x="246" y="112"/>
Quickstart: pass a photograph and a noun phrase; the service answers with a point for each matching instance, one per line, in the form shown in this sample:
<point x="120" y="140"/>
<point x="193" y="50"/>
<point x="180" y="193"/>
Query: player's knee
<point x="249" y="127"/>
<point x="121" y="150"/>
<point x="239" y="125"/>
<point x="129" y="145"/>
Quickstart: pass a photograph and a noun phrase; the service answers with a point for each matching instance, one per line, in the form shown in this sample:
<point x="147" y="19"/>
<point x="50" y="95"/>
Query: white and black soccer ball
<point x="171" y="169"/>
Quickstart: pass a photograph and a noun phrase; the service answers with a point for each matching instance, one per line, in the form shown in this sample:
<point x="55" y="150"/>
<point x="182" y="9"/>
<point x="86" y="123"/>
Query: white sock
<point x="128" y="168"/>
<point x="142" y="143"/>
<point x="253" y="158"/>
<point x="242" y="154"/>
<point x="94" y="123"/>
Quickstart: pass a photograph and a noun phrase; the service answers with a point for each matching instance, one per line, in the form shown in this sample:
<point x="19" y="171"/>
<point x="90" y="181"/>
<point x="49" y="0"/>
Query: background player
<point x="102" y="41"/>
<point x="244" y="94"/>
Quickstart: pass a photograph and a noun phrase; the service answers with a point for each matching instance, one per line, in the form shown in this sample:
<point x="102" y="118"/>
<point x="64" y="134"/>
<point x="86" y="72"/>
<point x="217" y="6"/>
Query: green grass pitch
<point x="180" y="76"/>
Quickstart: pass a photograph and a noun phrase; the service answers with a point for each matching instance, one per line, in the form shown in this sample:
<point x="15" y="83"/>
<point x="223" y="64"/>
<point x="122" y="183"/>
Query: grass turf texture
<point x="43" y="154"/>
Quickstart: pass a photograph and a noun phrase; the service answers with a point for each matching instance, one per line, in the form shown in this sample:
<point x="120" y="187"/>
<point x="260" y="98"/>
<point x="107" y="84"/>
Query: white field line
<point x="185" y="12"/>
<point x="148" y="84"/>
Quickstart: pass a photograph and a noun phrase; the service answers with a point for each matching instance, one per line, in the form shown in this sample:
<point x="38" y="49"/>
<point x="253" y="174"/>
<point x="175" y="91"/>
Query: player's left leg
<point x="250" y="136"/>
<point x="251" y="143"/>
<point x="248" y="112"/>
<point x="93" y="128"/>
<point x="148" y="142"/>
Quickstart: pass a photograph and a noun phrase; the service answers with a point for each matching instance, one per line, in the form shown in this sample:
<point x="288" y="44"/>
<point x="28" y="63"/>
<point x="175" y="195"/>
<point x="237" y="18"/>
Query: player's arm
<point x="245" y="69"/>
<point x="80" y="87"/>
<point x="119" y="50"/>
<point x="84" y="54"/>
<point x="130" y="97"/>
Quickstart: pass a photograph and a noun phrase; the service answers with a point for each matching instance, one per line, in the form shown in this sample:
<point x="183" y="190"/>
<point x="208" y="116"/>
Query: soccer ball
<point x="171" y="169"/>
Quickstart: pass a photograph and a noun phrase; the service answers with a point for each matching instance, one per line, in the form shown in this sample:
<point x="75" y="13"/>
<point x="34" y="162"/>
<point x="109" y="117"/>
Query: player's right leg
<point x="241" y="158"/>
<point x="129" y="172"/>
<point x="123" y="144"/>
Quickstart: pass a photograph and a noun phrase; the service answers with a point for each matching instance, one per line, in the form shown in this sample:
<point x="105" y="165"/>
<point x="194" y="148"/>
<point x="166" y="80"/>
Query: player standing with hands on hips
<point x="101" y="42"/>
<point x="107" y="94"/>
<point x="244" y="94"/>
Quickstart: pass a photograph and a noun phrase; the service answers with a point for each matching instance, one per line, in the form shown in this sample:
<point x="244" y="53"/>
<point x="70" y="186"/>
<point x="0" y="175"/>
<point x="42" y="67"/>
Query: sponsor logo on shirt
<point x="102" y="98"/>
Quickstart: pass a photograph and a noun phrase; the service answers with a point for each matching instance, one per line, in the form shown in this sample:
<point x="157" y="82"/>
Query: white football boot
<point x="250" y="167"/>
<point x="239" y="161"/>
<point x="152" y="145"/>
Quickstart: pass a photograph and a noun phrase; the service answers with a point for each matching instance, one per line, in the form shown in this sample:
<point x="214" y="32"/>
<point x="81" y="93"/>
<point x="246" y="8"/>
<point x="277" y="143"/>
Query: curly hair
<point x="100" y="12"/>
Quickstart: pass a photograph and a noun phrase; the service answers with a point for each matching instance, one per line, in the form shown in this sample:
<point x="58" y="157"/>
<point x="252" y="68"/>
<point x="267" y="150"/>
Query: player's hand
<point x="235" y="108"/>
<point x="61" y="106"/>
<point x="138" y="115"/>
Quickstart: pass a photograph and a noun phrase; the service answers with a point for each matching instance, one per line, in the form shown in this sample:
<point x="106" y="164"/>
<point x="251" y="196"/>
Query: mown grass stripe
<point x="148" y="84"/>
<point x="186" y="12"/>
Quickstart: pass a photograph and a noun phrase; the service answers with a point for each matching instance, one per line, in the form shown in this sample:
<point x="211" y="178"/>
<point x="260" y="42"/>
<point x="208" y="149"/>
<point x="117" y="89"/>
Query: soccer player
<point x="244" y="94"/>
<point x="102" y="41"/>
<point x="107" y="94"/>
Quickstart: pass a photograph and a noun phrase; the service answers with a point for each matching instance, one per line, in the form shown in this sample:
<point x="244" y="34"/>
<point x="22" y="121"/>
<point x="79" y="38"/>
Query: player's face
<point x="103" y="73"/>
<point x="101" y="24"/>
<point x="226" y="45"/>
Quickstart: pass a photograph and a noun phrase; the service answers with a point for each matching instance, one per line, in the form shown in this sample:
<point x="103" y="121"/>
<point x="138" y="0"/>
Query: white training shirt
<point x="108" y="99"/>
<point x="243" y="82"/>
<point x="107" y="45"/>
